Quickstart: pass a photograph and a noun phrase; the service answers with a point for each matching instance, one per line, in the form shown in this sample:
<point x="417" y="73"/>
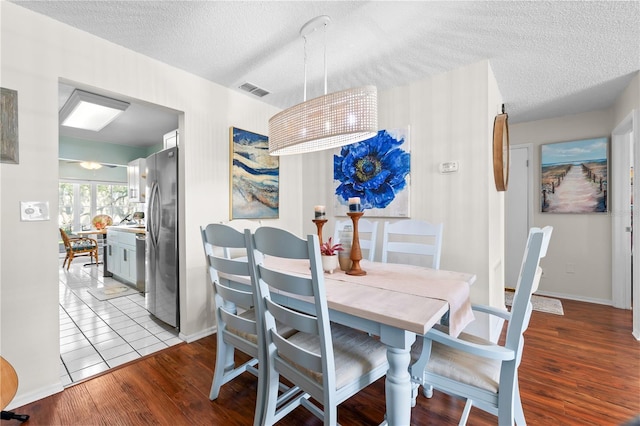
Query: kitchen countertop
<point x="134" y="229"/>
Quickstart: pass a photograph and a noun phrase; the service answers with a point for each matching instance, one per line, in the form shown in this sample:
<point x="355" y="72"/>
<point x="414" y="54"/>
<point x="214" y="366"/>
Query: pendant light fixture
<point x="328" y="121"/>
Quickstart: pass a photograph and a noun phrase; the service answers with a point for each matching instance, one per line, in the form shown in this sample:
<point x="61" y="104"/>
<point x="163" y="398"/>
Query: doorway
<point x="621" y="210"/>
<point x="625" y="154"/>
<point x="99" y="329"/>
<point x="518" y="210"/>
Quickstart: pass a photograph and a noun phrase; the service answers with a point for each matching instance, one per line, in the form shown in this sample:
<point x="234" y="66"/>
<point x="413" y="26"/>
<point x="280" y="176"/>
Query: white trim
<point x="29" y="397"/>
<point x="577" y="298"/>
<point x="189" y="338"/>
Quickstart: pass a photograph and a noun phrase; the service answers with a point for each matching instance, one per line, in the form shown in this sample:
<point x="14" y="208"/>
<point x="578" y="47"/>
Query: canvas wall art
<point x="574" y="176"/>
<point x="378" y="171"/>
<point x="254" y="176"/>
<point x="9" y="126"/>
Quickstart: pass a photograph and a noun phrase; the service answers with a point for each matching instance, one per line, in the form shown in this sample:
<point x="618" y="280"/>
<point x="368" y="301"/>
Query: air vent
<point x="255" y="90"/>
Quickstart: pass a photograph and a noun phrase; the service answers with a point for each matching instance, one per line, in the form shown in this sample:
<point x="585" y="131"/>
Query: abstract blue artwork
<point x="378" y="171"/>
<point x="254" y="177"/>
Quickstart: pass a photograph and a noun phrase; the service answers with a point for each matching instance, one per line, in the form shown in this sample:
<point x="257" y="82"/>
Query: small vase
<point x="330" y="263"/>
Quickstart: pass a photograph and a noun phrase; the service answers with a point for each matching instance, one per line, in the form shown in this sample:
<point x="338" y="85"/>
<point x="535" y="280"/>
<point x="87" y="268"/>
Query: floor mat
<point x="540" y="303"/>
<point x="112" y="291"/>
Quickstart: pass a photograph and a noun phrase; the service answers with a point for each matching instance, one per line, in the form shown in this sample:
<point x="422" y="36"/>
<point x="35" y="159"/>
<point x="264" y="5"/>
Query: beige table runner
<point x="452" y="287"/>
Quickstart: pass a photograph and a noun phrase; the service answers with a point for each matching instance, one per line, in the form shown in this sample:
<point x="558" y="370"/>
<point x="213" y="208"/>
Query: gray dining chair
<point x="328" y="361"/>
<point x="368" y="232"/>
<point x="234" y="309"/>
<point x="480" y="371"/>
<point x="413" y="237"/>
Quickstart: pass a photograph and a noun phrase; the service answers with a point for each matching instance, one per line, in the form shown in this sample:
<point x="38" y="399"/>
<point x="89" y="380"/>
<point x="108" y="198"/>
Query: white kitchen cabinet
<point x="137" y="177"/>
<point x="121" y="255"/>
<point x="170" y="139"/>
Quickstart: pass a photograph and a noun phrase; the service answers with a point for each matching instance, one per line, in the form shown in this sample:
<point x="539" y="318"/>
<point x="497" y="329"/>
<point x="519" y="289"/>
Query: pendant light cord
<point x="304" y="97"/>
<point x="325" y="58"/>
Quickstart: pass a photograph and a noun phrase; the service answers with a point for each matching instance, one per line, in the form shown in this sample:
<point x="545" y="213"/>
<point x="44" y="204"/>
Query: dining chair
<point x="240" y="225"/>
<point x="328" y="361"/>
<point x="483" y="372"/>
<point x="234" y="308"/>
<point x="78" y="246"/>
<point x="364" y="227"/>
<point x="418" y="238"/>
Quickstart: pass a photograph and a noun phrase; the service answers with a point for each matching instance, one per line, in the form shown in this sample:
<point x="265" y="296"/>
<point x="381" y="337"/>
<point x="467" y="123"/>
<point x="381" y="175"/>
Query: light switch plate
<point x="449" y="167"/>
<point x="34" y="210"/>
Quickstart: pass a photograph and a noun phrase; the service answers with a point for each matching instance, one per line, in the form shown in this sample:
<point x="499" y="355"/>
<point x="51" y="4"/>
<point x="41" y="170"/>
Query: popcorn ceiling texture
<point x="549" y="58"/>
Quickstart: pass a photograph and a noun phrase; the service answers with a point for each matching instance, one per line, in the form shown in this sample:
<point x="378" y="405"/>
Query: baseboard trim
<point x="199" y="335"/>
<point x="29" y="397"/>
<point x="607" y="302"/>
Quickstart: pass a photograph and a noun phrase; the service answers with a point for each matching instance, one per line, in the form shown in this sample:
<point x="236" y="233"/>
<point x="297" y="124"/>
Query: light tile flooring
<point x="97" y="335"/>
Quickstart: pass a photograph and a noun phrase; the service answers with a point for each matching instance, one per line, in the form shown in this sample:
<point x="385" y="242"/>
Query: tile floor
<point x="97" y="335"/>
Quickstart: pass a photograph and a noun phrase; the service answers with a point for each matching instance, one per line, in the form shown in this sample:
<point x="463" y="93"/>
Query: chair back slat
<point x="284" y="282"/>
<point x="399" y="237"/>
<point x="368" y="232"/>
<point x="303" y="322"/>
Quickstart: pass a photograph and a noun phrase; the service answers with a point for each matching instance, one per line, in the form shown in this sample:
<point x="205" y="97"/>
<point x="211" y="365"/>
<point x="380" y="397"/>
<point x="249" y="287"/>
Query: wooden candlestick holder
<point x="319" y="224"/>
<point x="356" y="254"/>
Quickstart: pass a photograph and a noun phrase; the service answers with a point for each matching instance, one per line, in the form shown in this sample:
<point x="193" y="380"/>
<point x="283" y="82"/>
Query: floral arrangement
<point x="374" y="170"/>
<point x="329" y="249"/>
<point x="102" y="221"/>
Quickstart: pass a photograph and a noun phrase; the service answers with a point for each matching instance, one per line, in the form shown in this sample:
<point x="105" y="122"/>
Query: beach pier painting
<point x="574" y="176"/>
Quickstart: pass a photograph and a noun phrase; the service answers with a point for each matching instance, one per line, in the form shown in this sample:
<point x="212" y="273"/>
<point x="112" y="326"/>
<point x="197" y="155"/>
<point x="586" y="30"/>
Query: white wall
<point x="451" y="118"/>
<point x="583" y="240"/>
<point x="36" y="52"/>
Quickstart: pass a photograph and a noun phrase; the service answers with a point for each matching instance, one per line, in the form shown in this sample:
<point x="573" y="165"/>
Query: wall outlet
<point x="571" y="268"/>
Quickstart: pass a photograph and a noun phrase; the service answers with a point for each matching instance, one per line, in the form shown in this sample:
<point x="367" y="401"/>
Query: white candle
<point x="319" y="212"/>
<point x="354" y="204"/>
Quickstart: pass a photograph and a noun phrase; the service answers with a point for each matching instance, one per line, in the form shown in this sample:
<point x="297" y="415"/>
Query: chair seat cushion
<point x="82" y="247"/>
<point x="461" y="366"/>
<point x="355" y="353"/>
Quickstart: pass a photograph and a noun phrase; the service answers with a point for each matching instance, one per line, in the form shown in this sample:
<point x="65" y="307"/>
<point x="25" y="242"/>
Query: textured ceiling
<point x="550" y="58"/>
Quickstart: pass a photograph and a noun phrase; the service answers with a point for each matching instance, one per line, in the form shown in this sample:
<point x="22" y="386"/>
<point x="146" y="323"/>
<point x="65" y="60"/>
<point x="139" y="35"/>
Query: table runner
<point x="452" y="287"/>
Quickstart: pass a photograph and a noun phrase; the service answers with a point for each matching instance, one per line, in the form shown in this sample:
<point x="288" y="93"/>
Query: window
<point x="81" y="201"/>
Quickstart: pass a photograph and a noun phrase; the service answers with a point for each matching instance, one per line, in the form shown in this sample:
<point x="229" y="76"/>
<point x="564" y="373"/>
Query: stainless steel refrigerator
<point x="162" y="286"/>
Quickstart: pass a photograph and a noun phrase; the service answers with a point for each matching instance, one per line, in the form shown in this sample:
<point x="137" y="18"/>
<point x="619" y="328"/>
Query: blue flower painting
<point x="377" y="171"/>
<point x="254" y="177"/>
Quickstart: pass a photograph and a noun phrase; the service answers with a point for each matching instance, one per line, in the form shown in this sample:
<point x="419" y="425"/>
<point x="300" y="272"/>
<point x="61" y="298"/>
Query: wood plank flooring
<point x="582" y="368"/>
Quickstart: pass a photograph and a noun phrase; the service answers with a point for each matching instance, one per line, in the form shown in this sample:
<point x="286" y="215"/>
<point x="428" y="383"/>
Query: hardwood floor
<point x="582" y="368"/>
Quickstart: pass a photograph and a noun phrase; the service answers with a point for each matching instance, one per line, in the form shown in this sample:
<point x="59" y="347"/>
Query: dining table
<point x="103" y="233"/>
<point x="396" y="302"/>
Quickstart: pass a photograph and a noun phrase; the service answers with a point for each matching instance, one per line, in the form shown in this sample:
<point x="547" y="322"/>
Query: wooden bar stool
<point x="8" y="389"/>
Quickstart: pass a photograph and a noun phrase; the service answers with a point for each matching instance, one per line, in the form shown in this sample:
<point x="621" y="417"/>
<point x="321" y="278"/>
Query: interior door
<point x="518" y="211"/>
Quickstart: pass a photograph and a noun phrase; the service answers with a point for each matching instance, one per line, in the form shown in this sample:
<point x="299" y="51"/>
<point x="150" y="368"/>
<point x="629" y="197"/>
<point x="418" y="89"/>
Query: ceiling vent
<point x="254" y="90"/>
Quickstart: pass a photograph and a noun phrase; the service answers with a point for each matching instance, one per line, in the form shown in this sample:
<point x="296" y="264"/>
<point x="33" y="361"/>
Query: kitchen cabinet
<point x="121" y="255"/>
<point x="137" y="177"/>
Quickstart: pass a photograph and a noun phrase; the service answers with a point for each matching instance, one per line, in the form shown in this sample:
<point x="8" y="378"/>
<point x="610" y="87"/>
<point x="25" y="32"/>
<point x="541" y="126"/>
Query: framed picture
<point x="254" y="176"/>
<point x="574" y="176"/>
<point x="378" y="171"/>
<point x="9" y="126"/>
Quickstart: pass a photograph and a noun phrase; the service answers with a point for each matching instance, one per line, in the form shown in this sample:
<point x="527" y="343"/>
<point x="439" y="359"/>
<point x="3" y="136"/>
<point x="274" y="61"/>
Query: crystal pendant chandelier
<point x="325" y="122"/>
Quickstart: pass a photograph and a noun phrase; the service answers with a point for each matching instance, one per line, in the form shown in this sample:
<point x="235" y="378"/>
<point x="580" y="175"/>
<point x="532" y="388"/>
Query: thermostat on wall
<point x="449" y="167"/>
<point x="34" y="210"/>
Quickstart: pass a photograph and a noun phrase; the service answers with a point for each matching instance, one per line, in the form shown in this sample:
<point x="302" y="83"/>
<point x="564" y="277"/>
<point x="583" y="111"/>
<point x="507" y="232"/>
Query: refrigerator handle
<point x="154" y="214"/>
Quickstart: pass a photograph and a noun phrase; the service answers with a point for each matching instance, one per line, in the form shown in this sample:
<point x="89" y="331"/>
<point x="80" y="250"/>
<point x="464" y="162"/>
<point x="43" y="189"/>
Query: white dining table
<point x="395" y="302"/>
